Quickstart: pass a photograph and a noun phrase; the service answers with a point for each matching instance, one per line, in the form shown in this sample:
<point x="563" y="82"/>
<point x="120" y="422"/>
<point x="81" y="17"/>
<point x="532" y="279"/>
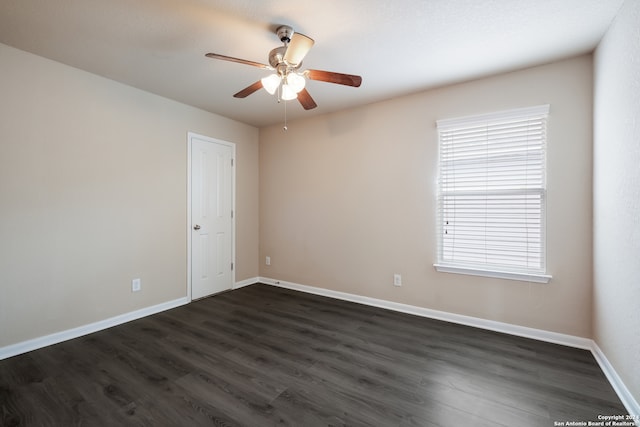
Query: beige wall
<point x="348" y="199"/>
<point x="616" y="320"/>
<point x="93" y="179"/>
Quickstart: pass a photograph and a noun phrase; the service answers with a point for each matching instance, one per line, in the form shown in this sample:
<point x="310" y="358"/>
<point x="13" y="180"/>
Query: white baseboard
<point x="522" y="331"/>
<point x="58" y="337"/>
<point x="553" y="337"/>
<point x="616" y="382"/>
<point x="246" y="282"/>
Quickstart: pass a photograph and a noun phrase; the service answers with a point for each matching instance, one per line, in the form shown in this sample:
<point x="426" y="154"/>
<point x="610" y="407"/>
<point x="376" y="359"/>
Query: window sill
<point x="523" y="277"/>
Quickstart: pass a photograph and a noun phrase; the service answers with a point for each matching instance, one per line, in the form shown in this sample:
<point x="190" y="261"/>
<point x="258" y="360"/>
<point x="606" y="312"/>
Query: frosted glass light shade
<point x="271" y="83"/>
<point x="296" y="81"/>
<point x="288" y="93"/>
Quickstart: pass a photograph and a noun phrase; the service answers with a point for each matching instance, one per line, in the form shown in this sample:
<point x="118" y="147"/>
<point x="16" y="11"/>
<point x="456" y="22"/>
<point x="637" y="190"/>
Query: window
<point x="492" y="191"/>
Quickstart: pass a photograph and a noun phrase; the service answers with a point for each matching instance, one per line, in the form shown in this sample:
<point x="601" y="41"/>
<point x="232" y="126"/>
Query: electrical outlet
<point x="267" y="260"/>
<point x="397" y="280"/>
<point x="136" y="285"/>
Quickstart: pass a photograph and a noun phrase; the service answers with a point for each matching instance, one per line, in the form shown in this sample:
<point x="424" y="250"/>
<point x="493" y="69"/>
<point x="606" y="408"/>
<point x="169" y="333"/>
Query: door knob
<point x="196" y="227"/>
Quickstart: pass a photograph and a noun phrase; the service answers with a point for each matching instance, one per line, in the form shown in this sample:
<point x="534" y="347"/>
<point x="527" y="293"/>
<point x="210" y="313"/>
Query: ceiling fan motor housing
<point x="276" y="60"/>
<point x="276" y="56"/>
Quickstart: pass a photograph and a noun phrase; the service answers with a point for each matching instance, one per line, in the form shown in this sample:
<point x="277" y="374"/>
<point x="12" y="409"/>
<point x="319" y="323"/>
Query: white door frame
<point x="190" y="137"/>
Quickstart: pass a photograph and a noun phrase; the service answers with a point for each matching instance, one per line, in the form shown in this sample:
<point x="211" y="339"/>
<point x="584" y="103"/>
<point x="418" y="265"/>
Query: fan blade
<point x="297" y="49"/>
<point x="249" y="90"/>
<point x="306" y="100"/>
<point x="331" y="77"/>
<point x="238" y="60"/>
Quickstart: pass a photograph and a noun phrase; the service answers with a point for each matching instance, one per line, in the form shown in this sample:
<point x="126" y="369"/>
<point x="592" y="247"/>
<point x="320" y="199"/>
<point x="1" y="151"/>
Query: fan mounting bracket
<point x="284" y="33"/>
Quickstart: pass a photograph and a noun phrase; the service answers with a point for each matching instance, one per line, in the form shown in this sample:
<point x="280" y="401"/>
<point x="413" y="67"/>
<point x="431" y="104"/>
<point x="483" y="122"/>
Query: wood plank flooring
<point x="265" y="356"/>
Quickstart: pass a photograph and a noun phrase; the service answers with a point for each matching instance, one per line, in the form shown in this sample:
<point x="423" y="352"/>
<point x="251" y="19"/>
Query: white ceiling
<point x="397" y="47"/>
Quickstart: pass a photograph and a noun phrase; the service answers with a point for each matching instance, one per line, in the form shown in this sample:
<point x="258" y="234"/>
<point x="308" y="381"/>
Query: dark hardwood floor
<point x="263" y="356"/>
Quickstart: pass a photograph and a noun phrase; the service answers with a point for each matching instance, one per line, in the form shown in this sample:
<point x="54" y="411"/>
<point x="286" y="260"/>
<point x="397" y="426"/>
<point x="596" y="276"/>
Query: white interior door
<point x="211" y="216"/>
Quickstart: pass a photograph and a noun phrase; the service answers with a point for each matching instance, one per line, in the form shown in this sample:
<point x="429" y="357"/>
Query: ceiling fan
<point x="286" y="61"/>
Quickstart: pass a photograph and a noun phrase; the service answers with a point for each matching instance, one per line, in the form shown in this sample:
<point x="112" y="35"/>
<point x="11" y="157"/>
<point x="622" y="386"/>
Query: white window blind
<point x="492" y="189"/>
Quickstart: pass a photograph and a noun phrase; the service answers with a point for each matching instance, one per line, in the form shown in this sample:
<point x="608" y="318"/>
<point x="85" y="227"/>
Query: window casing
<point x="492" y="194"/>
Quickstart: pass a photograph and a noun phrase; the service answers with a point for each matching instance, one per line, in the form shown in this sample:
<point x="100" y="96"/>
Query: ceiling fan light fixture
<point x="296" y="82"/>
<point x="288" y="93"/>
<point x="271" y="83"/>
<point x="287" y="83"/>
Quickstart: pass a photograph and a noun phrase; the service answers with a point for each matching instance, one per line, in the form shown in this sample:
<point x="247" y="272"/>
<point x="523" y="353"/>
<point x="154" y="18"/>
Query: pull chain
<point x="284" y="128"/>
<point x="285" y="116"/>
